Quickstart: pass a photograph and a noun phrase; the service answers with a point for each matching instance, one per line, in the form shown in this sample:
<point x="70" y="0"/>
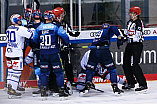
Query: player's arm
<point x="85" y="60"/>
<point x="72" y="32"/>
<point x="62" y="33"/>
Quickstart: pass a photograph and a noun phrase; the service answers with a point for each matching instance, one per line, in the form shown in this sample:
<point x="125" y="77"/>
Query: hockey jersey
<point x="47" y="36"/>
<point x="16" y="36"/>
<point x="103" y="36"/>
<point x="135" y="31"/>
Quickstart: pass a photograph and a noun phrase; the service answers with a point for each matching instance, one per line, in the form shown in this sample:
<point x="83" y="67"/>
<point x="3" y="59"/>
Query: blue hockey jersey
<point x="104" y="36"/>
<point x="47" y="36"/>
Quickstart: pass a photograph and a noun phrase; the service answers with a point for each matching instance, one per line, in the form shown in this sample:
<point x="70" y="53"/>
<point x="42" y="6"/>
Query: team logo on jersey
<point x="16" y="64"/>
<point x="98" y="35"/>
<point x="56" y="67"/>
<point x="43" y="66"/>
<point x="130" y="33"/>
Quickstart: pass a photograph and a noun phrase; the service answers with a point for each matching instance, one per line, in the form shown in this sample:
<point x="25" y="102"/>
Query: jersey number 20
<point x="46" y="40"/>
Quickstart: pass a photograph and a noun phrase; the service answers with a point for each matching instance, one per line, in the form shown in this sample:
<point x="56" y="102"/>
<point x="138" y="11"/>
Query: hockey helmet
<point x="37" y="13"/>
<point x="48" y="15"/>
<point x="59" y="13"/>
<point x="27" y="13"/>
<point x="105" y="25"/>
<point x="15" y="18"/>
<point x="136" y="10"/>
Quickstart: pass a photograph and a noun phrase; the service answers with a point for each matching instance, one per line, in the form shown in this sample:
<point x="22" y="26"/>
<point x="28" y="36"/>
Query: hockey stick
<point x="97" y="89"/>
<point x="83" y="84"/>
<point x="29" y="66"/>
<point x="97" y="47"/>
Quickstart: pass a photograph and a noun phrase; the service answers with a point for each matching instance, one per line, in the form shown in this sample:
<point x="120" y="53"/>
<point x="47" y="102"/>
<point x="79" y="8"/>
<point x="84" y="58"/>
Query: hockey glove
<point x="77" y="34"/>
<point x="125" y="36"/>
<point x="120" y="42"/>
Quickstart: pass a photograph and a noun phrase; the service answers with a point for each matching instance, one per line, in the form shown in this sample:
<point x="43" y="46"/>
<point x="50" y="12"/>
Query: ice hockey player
<point x="133" y="50"/>
<point x="59" y="13"/>
<point x="103" y="55"/>
<point x="50" y="60"/>
<point x="33" y="55"/>
<point x="100" y="71"/>
<point x="16" y="35"/>
<point x="28" y="15"/>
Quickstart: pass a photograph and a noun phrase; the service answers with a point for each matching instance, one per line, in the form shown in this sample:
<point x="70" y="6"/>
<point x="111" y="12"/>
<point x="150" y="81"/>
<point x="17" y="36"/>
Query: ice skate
<point x="5" y="86"/>
<point x="116" y="90"/>
<point x="21" y="89"/>
<point x="86" y="89"/>
<point x="53" y="93"/>
<point x="141" y="89"/>
<point x="36" y="93"/>
<point x="127" y="86"/>
<point x="12" y="93"/>
<point x="62" y="94"/>
<point x="68" y="88"/>
<point x="44" y="95"/>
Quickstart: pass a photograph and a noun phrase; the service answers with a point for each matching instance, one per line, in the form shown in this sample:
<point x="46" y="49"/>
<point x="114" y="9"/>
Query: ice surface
<point x="93" y="97"/>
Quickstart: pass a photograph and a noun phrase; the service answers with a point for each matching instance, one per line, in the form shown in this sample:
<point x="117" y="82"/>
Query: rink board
<point x="33" y="83"/>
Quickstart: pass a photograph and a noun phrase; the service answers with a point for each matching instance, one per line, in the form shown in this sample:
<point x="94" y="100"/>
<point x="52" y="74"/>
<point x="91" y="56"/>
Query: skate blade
<point x="55" y="94"/>
<point x="83" y="93"/>
<point x="35" y="95"/>
<point x="141" y="92"/>
<point x="22" y="92"/>
<point x="5" y="89"/>
<point x="13" y="96"/>
<point x="43" y="98"/>
<point x="63" y="98"/>
<point x="118" y="94"/>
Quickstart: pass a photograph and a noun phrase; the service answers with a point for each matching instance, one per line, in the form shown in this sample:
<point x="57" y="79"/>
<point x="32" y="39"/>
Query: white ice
<point x="93" y="97"/>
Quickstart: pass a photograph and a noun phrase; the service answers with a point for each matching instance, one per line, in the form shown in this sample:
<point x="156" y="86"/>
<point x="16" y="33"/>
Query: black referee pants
<point x="133" y="50"/>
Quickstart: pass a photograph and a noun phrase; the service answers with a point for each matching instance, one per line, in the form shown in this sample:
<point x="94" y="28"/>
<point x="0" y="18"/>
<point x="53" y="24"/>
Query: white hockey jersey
<point x="16" y="36"/>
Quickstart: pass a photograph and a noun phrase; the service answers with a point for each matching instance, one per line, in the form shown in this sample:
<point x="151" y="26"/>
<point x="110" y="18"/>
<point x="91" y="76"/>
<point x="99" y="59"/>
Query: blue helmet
<point x="104" y="25"/>
<point x="48" y="15"/>
<point x="37" y="14"/>
<point x="27" y="13"/>
<point x="15" y="18"/>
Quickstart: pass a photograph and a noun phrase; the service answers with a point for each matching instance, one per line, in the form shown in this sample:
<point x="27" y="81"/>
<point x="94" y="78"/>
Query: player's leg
<point x="127" y="69"/>
<point x="90" y="70"/>
<point x="107" y="61"/>
<point x="15" y="66"/>
<point x="58" y="69"/>
<point x="81" y="80"/>
<point x="36" y="64"/>
<point x="136" y="67"/>
<point x="45" y="71"/>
